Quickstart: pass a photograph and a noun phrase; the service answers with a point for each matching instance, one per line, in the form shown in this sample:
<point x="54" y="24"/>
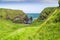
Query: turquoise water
<point x="33" y="15"/>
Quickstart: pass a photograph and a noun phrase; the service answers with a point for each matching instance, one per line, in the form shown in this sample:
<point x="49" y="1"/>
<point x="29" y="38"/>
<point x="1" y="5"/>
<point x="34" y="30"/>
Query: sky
<point x="28" y="6"/>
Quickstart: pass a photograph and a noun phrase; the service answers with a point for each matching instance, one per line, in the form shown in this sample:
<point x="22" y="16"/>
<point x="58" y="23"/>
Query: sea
<point x="33" y="15"/>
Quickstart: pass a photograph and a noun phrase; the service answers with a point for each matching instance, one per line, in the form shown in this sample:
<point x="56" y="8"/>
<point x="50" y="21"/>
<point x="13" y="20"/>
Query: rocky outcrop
<point x="17" y="16"/>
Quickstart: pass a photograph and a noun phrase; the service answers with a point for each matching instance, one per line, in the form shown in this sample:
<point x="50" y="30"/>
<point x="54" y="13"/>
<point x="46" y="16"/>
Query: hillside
<point x="48" y="30"/>
<point x="10" y="14"/>
<point x="44" y="15"/>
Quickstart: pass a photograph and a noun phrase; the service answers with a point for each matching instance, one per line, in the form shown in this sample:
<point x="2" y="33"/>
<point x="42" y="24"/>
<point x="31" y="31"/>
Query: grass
<point x="48" y="30"/>
<point x="7" y="26"/>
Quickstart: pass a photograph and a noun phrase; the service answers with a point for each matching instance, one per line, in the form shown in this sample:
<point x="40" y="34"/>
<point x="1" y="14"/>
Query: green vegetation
<point x="59" y="3"/>
<point x="12" y="15"/>
<point x="47" y="11"/>
<point x="44" y="15"/>
<point x="47" y="27"/>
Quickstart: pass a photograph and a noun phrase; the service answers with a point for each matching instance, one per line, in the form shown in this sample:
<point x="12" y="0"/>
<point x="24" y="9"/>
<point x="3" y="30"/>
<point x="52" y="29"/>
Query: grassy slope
<point x="11" y="13"/>
<point x="46" y="31"/>
<point x="7" y="26"/>
<point x="50" y="29"/>
<point x="44" y="15"/>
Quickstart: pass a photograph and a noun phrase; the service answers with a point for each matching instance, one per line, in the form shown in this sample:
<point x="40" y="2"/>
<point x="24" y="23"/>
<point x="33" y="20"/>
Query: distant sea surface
<point x="33" y="15"/>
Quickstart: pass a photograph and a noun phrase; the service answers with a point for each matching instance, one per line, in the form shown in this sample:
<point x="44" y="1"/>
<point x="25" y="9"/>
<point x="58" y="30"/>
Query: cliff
<point x="14" y="15"/>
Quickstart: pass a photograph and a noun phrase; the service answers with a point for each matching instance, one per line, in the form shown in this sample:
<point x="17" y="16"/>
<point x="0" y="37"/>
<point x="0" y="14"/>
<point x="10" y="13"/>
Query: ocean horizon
<point x="33" y="15"/>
